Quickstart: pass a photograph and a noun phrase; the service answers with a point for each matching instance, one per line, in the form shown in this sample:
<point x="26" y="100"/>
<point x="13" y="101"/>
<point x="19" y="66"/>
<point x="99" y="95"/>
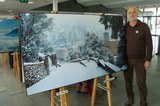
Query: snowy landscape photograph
<point x="64" y="49"/>
<point x="9" y="38"/>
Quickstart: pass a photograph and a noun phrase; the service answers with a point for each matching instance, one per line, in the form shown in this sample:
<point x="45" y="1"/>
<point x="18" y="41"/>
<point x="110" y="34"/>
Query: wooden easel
<point x="108" y="91"/>
<point x="16" y="65"/>
<point x="63" y="97"/>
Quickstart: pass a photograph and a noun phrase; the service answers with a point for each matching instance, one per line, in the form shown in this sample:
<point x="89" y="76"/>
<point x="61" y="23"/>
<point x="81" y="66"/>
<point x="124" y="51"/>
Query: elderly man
<point x="139" y="54"/>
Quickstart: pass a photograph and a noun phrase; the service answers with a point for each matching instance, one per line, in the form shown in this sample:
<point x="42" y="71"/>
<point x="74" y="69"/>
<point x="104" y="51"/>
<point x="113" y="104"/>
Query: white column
<point x="55" y="5"/>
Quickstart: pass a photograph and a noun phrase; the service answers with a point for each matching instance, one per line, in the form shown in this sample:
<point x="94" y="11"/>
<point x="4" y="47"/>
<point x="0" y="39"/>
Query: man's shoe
<point x="144" y="104"/>
<point x="129" y="102"/>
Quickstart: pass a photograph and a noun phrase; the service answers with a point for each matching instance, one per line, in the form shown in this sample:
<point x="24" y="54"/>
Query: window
<point x="149" y="12"/>
<point x="151" y="21"/>
<point x="158" y="26"/>
<point x="140" y="12"/>
<point x="158" y="11"/>
<point x="151" y="16"/>
<point x="140" y="18"/>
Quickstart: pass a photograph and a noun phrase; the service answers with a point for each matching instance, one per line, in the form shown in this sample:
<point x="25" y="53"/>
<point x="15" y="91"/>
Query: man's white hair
<point x="133" y="7"/>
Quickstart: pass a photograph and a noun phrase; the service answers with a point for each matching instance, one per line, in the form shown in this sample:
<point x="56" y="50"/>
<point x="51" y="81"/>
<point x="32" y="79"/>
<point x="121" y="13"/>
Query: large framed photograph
<point x="9" y="36"/>
<point x="63" y="49"/>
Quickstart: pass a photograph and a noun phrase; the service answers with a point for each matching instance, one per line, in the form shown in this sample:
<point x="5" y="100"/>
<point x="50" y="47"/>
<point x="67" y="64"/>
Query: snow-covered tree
<point x="95" y="47"/>
<point x="116" y="24"/>
<point x="32" y="26"/>
<point x="113" y="22"/>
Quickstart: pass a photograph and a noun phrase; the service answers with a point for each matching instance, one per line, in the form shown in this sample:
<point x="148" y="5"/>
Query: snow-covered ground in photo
<point x="69" y="73"/>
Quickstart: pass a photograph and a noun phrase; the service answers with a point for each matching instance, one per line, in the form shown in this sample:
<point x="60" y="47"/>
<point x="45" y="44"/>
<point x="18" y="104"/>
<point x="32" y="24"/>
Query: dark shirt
<point x="138" y="41"/>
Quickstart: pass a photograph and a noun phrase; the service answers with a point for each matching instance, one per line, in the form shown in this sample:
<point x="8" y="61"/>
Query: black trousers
<point x="136" y="65"/>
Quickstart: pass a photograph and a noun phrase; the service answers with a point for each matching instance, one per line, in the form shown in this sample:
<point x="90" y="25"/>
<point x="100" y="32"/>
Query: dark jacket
<point x="138" y="41"/>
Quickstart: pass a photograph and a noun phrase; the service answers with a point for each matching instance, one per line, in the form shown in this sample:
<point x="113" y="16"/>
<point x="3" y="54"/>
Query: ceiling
<point x="10" y="8"/>
<point x="121" y="3"/>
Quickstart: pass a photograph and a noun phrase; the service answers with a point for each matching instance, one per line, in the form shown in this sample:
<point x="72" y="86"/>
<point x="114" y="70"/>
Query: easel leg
<point x="14" y="65"/>
<point x="4" y="58"/>
<point x="108" y="90"/>
<point x="53" y="99"/>
<point x="18" y="66"/>
<point x="63" y="97"/>
<point x="94" y="92"/>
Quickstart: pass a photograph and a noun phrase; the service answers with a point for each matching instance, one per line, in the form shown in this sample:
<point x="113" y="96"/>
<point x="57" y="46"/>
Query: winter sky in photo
<point x="74" y="26"/>
<point x="90" y="22"/>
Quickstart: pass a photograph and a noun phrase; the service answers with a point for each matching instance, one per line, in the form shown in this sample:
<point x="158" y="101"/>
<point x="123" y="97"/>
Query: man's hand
<point x="147" y="65"/>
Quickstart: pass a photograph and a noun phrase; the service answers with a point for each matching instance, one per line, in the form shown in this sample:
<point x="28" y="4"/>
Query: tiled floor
<point x="12" y="92"/>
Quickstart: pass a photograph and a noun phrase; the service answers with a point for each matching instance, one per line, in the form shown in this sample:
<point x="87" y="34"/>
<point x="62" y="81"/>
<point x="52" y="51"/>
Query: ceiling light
<point x="30" y="2"/>
<point x="2" y="0"/>
<point x="9" y="10"/>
